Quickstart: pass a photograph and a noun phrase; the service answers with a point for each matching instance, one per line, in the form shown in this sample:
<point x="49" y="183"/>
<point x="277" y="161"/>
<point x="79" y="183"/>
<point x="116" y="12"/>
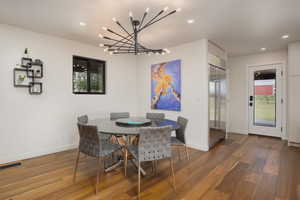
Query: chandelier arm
<point x="130" y="39"/>
<point x="125" y="52"/>
<point x="118" y="41"/>
<point x="122" y="27"/>
<point x="157" y="15"/>
<point x="131" y="35"/>
<point x="131" y="20"/>
<point x="142" y="21"/>
<point x="143" y="46"/>
<point x="113" y="32"/>
<point x="149" y="24"/>
<point x="110" y="46"/>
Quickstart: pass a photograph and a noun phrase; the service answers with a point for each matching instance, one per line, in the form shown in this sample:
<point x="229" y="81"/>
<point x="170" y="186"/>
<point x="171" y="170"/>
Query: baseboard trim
<point x="23" y="156"/>
<point x="239" y="131"/>
<point x="293" y="144"/>
<point x="198" y="147"/>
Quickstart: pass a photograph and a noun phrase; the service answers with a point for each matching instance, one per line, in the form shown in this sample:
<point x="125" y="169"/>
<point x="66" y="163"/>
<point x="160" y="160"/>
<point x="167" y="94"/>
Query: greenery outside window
<point x="88" y="76"/>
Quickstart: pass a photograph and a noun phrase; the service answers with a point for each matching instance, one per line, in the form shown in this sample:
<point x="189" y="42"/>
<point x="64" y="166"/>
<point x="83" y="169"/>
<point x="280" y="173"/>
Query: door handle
<point x="251" y="98"/>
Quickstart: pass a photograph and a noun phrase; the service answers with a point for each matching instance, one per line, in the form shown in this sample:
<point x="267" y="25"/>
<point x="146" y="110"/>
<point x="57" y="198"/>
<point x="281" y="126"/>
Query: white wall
<point x="194" y="100"/>
<point x="36" y="125"/>
<point x="294" y="93"/>
<point x="238" y="87"/>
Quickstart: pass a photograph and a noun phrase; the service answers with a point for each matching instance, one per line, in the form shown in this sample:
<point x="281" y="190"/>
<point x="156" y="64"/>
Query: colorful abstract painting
<point x="166" y="86"/>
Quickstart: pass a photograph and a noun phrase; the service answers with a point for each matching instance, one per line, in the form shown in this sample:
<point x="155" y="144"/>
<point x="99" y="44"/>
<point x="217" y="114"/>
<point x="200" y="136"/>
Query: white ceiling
<point x="240" y="26"/>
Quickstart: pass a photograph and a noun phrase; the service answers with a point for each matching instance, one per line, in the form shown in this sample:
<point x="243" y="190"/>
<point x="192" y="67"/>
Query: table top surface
<point x="111" y="127"/>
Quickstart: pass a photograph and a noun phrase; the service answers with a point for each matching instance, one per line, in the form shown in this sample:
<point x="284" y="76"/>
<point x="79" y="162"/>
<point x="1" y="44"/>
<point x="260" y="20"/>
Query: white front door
<point x="265" y="100"/>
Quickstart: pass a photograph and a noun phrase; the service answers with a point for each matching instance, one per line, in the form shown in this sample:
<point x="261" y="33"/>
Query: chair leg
<point x="153" y="166"/>
<point x="155" y="162"/>
<point x="125" y="161"/>
<point x="98" y="173"/>
<point x="139" y="179"/>
<point x="186" y="152"/>
<point x="178" y="152"/>
<point x="172" y="172"/>
<point x="76" y="166"/>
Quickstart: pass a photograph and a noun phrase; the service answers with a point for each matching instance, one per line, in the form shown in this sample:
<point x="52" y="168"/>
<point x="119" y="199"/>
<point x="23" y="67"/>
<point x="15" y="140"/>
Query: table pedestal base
<point x="120" y="162"/>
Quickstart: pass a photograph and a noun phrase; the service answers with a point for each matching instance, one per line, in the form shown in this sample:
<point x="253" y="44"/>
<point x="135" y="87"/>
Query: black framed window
<point x="88" y="76"/>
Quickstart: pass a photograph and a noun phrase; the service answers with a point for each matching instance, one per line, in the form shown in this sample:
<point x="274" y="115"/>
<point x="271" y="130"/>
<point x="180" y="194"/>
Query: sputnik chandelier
<point x="129" y="44"/>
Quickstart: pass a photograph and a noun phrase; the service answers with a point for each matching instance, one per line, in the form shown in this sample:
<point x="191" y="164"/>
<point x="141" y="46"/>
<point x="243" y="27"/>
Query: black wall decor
<point x="27" y="75"/>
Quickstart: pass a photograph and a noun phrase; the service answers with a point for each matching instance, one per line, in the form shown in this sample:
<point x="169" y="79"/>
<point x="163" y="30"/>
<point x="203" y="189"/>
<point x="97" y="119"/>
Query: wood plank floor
<point x="243" y="167"/>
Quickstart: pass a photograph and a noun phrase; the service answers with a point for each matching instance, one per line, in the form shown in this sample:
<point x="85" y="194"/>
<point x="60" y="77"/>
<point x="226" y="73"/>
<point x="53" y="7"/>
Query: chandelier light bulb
<point x="100" y="35"/>
<point x="178" y="9"/>
<point x="166" y="8"/>
<point x="147" y="10"/>
<point x="101" y="45"/>
<point x="130" y="14"/>
<point x="111" y="53"/>
<point x="105" y="50"/>
<point x="114" y="19"/>
<point x="104" y="28"/>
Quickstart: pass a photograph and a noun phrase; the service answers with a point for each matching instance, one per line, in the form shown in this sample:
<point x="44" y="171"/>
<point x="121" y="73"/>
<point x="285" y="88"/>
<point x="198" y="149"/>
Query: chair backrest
<point x="180" y="133"/>
<point x="154" y="143"/>
<point x="119" y="115"/>
<point x="84" y="119"/>
<point x="155" y="116"/>
<point x="89" y="140"/>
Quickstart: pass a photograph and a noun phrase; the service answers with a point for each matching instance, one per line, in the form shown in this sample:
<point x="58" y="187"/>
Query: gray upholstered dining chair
<point x="91" y="144"/>
<point x="154" y="144"/>
<point x="180" y="139"/>
<point x="155" y="116"/>
<point x="84" y="119"/>
<point x="119" y="115"/>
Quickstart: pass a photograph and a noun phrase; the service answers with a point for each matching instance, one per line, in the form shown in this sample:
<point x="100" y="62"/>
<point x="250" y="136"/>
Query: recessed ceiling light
<point x="82" y="23"/>
<point x="190" y="21"/>
<point x="285" y="36"/>
<point x="263" y="49"/>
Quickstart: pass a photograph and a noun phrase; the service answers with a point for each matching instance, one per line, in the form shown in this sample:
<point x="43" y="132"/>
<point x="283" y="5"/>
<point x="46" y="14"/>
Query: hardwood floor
<point x="243" y="167"/>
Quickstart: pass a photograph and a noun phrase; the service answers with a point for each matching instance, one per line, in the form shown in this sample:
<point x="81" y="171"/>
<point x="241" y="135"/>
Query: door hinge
<point x="281" y="129"/>
<point x="281" y="73"/>
<point x="281" y="100"/>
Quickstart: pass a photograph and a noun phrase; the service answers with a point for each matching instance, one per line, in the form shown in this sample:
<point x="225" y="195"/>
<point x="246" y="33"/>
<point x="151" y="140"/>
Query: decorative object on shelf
<point x="36" y="88"/>
<point x="128" y="44"/>
<point x="166" y="86"/>
<point x="26" y="62"/>
<point x="20" y="77"/>
<point x="37" y="67"/>
<point x="28" y="73"/>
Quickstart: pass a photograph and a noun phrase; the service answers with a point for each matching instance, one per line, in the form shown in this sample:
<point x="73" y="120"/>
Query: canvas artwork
<point x="166" y="86"/>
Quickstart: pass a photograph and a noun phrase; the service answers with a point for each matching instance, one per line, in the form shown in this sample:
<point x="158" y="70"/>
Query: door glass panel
<point x="265" y="98"/>
<point x="212" y="101"/>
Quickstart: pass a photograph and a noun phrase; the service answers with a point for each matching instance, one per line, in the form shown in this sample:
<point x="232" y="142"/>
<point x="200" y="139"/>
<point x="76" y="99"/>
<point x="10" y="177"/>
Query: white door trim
<point x="284" y="94"/>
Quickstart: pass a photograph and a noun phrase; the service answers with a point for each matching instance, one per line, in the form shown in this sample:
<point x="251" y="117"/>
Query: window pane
<point x="80" y="76"/>
<point x="265" y="98"/>
<point x="96" y="76"/>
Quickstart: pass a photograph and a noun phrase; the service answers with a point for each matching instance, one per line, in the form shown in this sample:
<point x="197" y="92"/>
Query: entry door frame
<point x="283" y="96"/>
